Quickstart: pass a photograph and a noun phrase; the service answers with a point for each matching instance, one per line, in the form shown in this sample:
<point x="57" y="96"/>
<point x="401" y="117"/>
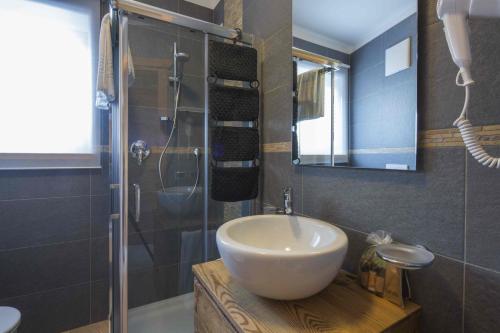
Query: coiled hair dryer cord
<point x="467" y="131"/>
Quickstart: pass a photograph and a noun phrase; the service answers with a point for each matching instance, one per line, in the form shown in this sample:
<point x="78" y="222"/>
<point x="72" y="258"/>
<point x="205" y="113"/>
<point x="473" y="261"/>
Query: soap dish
<point x="405" y="256"/>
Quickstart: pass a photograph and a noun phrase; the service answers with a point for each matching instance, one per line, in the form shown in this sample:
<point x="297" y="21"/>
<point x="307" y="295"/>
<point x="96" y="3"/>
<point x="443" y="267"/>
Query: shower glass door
<point x="169" y="212"/>
<point x="163" y="219"/>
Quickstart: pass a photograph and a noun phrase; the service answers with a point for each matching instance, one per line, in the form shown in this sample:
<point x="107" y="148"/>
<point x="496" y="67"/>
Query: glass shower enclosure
<point x="162" y="220"/>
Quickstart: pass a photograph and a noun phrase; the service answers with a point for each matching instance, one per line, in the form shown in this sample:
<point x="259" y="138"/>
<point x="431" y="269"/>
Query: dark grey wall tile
<point x="277" y="121"/>
<point x="482" y="300"/>
<point x="147" y="249"/>
<point x="357" y="245"/>
<point x="190" y="134"/>
<point x="152" y="285"/>
<point x="34" y="222"/>
<point x="145" y="124"/>
<point x="24" y="184"/>
<point x="196" y="50"/>
<point x="155" y="216"/>
<point x="147" y="174"/>
<point x="162" y="249"/>
<point x="438" y="289"/>
<point x="147" y="86"/>
<point x="99" y="252"/>
<point x="147" y="42"/>
<point x="440" y="100"/>
<point x="100" y="178"/>
<point x="35" y="269"/>
<point x="278" y="172"/>
<point x="172" y="5"/>
<point x="186" y="277"/>
<point x="278" y="14"/>
<point x="219" y="13"/>
<point x="193" y="91"/>
<point x="483" y="213"/>
<point x="54" y="310"/>
<point x="100" y="300"/>
<point x="100" y="210"/>
<point x="277" y="61"/>
<point x="196" y="11"/>
<point x="409" y="205"/>
<point x="484" y="103"/>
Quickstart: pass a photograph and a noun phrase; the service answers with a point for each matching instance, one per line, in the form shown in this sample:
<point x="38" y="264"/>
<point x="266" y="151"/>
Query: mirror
<point x="355" y="83"/>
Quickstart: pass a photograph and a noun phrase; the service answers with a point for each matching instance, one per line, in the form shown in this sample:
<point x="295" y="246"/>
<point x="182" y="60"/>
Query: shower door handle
<point x="137" y="197"/>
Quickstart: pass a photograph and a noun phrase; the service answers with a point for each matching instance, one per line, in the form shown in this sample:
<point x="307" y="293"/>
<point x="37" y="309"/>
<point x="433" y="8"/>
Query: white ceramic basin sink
<point x="282" y="257"/>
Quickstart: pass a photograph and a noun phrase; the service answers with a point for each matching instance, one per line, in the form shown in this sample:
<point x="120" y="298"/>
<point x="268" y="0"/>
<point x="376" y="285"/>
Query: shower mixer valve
<point x="140" y="151"/>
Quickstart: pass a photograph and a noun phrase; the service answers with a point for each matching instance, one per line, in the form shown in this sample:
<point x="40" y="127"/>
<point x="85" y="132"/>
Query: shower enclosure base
<point x="173" y="315"/>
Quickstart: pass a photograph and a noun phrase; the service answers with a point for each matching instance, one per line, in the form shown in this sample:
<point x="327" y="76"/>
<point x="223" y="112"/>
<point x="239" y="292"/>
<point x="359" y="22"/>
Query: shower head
<point x="182" y="56"/>
<point x="179" y="59"/>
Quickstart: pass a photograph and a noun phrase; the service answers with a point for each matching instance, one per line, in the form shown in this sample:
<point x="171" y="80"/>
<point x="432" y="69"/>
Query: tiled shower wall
<point x="451" y="204"/>
<point x="53" y="235"/>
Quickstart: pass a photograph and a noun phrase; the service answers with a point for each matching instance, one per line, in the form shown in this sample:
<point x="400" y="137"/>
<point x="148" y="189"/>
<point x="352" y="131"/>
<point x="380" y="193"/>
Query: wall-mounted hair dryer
<point x="454" y="14"/>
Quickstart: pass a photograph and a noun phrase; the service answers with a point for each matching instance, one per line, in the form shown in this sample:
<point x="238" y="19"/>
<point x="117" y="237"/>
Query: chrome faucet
<point x="140" y="151"/>
<point x="287" y="201"/>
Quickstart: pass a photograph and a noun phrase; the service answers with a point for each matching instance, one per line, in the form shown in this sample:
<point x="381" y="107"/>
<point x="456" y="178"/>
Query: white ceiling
<point x="346" y="25"/>
<point x="205" y="3"/>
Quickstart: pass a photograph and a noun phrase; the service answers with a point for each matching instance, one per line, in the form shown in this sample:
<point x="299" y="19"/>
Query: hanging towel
<point x="311" y="95"/>
<point x="105" y="84"/>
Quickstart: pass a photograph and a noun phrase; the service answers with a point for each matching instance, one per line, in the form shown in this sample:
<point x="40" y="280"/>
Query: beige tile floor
<point x="100" y="327"/>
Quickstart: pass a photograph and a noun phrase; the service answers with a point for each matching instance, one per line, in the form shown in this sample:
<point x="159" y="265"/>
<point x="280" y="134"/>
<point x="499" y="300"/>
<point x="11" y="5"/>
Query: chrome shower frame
<point x="118" y="230"/>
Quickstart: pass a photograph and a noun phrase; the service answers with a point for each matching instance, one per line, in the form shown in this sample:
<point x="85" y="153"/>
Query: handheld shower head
<point x="182" y="56"/>
<point x="180" y="59"/>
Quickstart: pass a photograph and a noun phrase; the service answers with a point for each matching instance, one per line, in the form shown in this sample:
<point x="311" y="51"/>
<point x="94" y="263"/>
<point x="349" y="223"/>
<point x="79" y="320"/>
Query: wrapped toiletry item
<point x="378" y="276"/>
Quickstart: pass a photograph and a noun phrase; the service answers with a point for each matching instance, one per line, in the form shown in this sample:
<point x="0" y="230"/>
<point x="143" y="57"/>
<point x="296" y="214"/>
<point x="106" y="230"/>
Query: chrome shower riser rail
<point x="164" y="15"/>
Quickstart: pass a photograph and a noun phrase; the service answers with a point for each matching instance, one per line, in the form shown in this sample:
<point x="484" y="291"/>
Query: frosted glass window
<point x="48" y="59"/>
<point x="312" y="133"/>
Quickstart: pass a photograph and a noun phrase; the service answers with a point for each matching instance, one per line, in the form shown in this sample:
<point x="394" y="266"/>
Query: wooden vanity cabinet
<point x="222" y="306"/>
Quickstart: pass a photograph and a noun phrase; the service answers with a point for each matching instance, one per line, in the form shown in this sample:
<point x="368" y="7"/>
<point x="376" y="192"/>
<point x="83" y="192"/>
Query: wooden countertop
<point x="342" y="307"/>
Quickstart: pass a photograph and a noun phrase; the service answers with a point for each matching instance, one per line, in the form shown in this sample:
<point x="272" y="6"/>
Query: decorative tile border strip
<point x="277" y="147"/>
<point x="450" y="137"/>
<point x="442" y="138"/>
<point x="489" y="135"/>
